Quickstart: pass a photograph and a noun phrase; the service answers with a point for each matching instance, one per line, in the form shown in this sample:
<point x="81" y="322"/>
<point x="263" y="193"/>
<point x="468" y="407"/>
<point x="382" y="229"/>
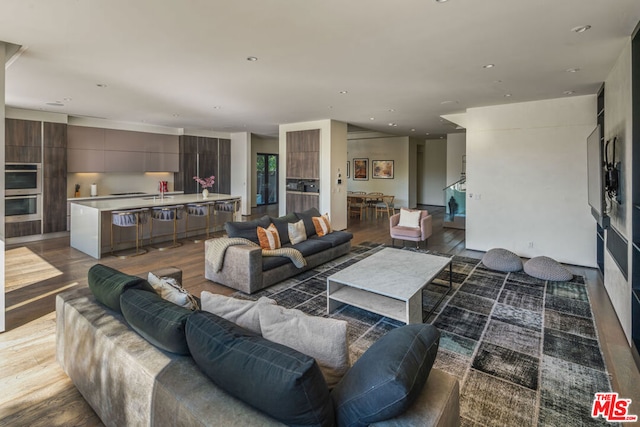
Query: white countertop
<point x="148" y="201"/>
<point x="121" y="196"/>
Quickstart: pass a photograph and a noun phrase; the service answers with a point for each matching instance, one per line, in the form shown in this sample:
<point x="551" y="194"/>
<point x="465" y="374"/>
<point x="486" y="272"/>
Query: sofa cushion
<point x="248" y="229"/>
<point x="170" y="289"/>
<point x="336" y="238"/>
<point x="322" y="225"/>
<point x="269" y="237"/>
<point x="502" y="260"/>
<point x="157" y="320"/>
<point x="243" y="313"/>
<point x="400" y="232"/>
<point x="312" y="246"/>
<point x="281" y="225"/>
<point x="107" y="284"/>
<point x="324" y="339"/>
<point x="307" y="217"/>
<point x="278" y="380"/>
<point x="297" y="232"/>
<point x="388" y="377"/>
<point x="271" y="262"/>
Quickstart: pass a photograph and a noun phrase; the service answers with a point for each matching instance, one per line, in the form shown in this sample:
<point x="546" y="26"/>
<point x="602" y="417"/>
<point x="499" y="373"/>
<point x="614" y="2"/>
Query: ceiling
<point x="184" y="64"/>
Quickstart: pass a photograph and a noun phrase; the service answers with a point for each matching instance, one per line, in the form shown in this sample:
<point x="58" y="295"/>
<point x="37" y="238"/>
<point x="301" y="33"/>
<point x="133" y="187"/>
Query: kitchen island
<point x="91" y="219"/>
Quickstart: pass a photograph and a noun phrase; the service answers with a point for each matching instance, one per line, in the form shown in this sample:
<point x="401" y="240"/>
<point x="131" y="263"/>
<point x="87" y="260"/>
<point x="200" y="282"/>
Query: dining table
<point x="369" y="201"/>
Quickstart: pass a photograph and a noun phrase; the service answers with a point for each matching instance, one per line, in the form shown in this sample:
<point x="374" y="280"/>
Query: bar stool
<point x="199" y="209"/>
<point x="226" y="206"/>
<point x="125" y="219"/>
<point x="166" y="214"/>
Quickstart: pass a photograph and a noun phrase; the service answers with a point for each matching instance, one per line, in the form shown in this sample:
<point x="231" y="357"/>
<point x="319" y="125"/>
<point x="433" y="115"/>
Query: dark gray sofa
<point x="246" y="270"/>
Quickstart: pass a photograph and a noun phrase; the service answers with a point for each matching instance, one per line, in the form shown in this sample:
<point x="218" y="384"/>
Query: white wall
<point x="241" y="184"/>
<point x="618" y="122"/>
<point x="394" y="148"/>
<point x="456" y="149"/>
<point x="266" y="146"/>
<point x="527" y="179"/>
<point x="434" y="172"/>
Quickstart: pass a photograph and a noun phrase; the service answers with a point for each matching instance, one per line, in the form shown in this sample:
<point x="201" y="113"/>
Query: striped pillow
<point x="322" y="224"/>
<point x="269" y="237"/>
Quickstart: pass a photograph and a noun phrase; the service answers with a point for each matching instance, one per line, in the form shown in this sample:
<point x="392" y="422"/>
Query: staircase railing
<point x="455" y="199"/>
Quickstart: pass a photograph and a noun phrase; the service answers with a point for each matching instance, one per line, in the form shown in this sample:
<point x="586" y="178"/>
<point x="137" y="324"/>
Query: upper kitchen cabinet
<point x="23" y="141"/>
<point x="303" y="154"/>
<point x="112" y="150"/>
<point x="203" y="157"/>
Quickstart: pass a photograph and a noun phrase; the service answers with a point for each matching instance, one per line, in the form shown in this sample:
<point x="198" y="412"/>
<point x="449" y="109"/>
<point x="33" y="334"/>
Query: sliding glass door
<point x="267" y="183"/>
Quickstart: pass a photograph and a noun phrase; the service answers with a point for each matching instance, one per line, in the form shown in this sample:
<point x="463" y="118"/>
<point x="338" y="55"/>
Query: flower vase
<point x="205" y="193"/>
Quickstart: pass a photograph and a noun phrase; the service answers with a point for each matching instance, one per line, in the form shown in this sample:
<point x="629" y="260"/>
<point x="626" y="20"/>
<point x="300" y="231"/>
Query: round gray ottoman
<point x="546" y="268"/>
<point x="502" y="260"/>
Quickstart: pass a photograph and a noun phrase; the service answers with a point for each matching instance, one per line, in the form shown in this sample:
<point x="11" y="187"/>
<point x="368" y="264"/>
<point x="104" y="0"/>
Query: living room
<point x="525" y="147"/>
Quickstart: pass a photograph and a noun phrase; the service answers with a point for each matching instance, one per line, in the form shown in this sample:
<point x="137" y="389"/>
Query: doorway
<point x="267" y="179"/>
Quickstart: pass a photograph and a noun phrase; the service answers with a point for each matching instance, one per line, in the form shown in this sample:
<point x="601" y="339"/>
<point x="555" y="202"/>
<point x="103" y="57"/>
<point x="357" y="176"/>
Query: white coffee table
<point x="388" y="283"/>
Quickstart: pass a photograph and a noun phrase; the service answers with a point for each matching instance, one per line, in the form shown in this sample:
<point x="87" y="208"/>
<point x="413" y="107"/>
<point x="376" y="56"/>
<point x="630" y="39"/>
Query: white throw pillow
<point x="243" y="313"/>
<point x="323" y="339"/>
<point x="297" y="232"/>
<point x="168" y="288"/>
<point x="409" y="218"/>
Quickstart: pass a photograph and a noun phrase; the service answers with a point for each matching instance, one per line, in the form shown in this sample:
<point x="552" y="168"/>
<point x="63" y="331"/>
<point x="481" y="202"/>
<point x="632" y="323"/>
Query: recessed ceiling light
<point x="448" y="102"/>
<point x="252" y="58"/>
<point x="507" y="95"/>
<point x="176" y="115"/>
<point x="343" y="92"/>
<point x="568" y="92"/>
<point x="581" y="28"/>
<point x="497" y="81"/>
<point x="441" y="1"/>
<point x="427" y="133"/>
<point x="413" y="130"/>
<point x="102" y="85"/>
<point x="489" y="66"/>
<point x="372" y="118"/>
<point x="393" y="124"/>
<point x="56" y="104"/>
<point x="572" y="70"/>
<point x="66" y="99"/>
<point x="217" y="107"/>
<point x="391" y="110"/>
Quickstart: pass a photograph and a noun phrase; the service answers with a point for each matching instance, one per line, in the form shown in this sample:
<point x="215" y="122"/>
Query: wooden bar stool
<point x="126" y="219"/>
<point x="166" y="214"/>
<point x="199" y="210"/>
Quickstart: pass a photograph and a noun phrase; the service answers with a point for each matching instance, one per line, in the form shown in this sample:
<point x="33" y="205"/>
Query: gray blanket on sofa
<point x="216" y="250"/>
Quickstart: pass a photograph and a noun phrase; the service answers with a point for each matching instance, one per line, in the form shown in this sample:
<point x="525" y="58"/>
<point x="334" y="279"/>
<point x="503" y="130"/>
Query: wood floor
<point x="34" y="391"/>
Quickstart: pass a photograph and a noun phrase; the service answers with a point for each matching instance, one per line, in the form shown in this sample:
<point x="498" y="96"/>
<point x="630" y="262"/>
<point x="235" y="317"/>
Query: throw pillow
<point x="269" y="237"/>
<point x="241" y="312"/>
<point x="322" y="224"/>
<point x="171" y="290"/>
<point x="308" y="222"/>
<point x="409" y="218"/>
<point x="388" y="377"/>
<point x="281" y="225"/>
<point x="107" y="284"/>
<point x="297" y="232"/>
<point x="323" y="339"/>
<point x="157" y="320"/>
<point x="275" y="379"/>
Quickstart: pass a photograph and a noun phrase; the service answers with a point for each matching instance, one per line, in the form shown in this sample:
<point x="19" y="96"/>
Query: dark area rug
<point x="525" y="351"/>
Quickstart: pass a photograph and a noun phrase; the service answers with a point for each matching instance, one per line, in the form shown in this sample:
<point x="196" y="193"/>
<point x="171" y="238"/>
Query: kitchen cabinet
<point x="303" y="154"/>
<point x="299" y="202"/>
<point x="20" y="229"/>
<point x="203" y="157"/>
<point x="114" y="150"/>
<point x="23" y="141"/>
<point x="54" y="171"/>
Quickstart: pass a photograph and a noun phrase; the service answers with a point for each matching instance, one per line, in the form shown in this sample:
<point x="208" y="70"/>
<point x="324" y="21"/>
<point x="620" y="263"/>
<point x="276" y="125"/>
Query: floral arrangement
<point x="205" y="183"/>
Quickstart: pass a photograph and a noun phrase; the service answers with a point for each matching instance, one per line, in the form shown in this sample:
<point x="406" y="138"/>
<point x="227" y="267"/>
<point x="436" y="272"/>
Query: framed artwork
<point x="360" y="169"/>
<point x="382" y="169"/>
<point x="348" y="169"/>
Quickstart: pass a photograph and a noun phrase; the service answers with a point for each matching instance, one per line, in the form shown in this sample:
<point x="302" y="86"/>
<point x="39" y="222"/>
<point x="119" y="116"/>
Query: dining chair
<point x="385" y="205"/>
<point x="357" y="205"/>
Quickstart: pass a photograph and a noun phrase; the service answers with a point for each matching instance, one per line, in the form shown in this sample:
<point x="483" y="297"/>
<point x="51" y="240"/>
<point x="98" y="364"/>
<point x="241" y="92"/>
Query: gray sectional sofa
<point x="247" y="270"/>
<point x="130" y="382"/>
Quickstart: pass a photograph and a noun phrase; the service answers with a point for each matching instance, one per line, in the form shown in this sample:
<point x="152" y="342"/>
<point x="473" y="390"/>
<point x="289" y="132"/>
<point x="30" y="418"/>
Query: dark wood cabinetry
<point x="635" y="186"/>
<point x="20" y="229"/>
<point x="203" y="157"/>
<point x="303" y="162"/>
<point x="23" y="141"/>
<point x="54" y="170"/>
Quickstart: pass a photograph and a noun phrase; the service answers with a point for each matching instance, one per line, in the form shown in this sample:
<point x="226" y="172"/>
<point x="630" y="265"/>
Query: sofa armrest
<point x="426" y="225"/>
<point x="394" y="220"/>
<point x="241" y="269"/>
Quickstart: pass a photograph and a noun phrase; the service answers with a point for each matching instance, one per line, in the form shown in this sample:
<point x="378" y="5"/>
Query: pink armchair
<point x="414" y="234"/>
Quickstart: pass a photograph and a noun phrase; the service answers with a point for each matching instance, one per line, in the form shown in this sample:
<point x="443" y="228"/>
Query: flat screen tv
<point x="595" y="178"/>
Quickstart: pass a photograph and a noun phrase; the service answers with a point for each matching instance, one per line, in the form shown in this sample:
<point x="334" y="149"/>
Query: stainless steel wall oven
<point x="22" y="178"/>
<point x="23" y="208"/>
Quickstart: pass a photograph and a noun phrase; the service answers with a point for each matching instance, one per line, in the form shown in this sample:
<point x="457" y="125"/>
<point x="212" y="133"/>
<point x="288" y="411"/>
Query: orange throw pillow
<point x="269" y="237"/>
<point x="322" y="224"/>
